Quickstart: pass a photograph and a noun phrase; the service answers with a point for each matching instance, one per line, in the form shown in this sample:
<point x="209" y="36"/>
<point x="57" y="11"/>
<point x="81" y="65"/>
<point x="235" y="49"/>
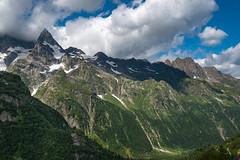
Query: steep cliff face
<point x="191" y="68"/>
<point x="195" y="71"/>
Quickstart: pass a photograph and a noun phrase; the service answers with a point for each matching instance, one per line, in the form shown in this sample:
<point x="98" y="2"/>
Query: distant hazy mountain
<point x="195" y="71"/>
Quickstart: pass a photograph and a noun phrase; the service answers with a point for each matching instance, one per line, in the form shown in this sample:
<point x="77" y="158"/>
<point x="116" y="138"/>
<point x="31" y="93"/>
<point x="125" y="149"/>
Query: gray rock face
<point x="11" y="56"/>
<point x="45" y="36"/>
<point x="43" y="61"/>
<point x="5" y="116"/>
<point x="194" y="70"/>
<point x="13" y="100"/>
<point x="46" y="49"/>
<point x="72" y="51"/>
<point x="78" y="140"/>
<point x="191" y="68"/>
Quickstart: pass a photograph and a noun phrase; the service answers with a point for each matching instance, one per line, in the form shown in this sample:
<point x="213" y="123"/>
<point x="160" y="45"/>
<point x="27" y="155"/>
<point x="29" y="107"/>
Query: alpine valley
<point x="132" y="108"/>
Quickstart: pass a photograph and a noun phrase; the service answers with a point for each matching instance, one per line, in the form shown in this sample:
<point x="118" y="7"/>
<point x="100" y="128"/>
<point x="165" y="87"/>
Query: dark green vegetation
<point x="225" y="151"/>
<point x="30" y="129"/>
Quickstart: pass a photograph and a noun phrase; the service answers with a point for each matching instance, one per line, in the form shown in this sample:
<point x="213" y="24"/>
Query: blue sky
<point x="206" y="30"/>
<point x="224" y="18"/>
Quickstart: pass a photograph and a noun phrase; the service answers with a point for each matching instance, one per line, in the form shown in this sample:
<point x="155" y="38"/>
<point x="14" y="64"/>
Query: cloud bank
<point x="25" y="19"/>
<point x="228" y="61"/>
<point x="139" y="30"/>
<point x="78" y="5"/>
<point x="212" y="36"/>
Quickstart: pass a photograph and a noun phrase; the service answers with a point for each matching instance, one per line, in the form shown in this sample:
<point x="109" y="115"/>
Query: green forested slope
<point x="226" y="151"/>
<point x="113" y="127"/>
<point x="30" y="129"/>
<point x="142" y="116"/>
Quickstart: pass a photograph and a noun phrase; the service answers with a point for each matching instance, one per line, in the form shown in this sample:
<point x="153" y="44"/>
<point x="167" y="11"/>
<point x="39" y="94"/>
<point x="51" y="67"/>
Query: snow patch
<point x="2" y="64"/>
<point x="113" y="64"/>
<point x="120" y="101"/>
<point x="56" y="49"/>
<point x="98" y="75"/>
<point x="84" y="56"/>
<point x="34" y="91"/>
<point x="100" y="96"/>
<point x="150" y="70"/>
<point x="22" y="52"/>
<point x="162" y="150"/>
<point x="132" y="70"/>
<point x="70" y="70"/>
<point x="116" y="72"/>
<point x="99" y="64"/>
<point x="75" y="54"/>
<point x="116" y="79"/>
<point x="43" y="72"/>
<point x="55" y="67"/>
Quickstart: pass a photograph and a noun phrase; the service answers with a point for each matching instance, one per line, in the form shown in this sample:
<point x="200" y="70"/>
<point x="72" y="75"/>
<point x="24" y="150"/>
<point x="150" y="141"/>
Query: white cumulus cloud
<point x="212" y="36"/>
<point x="228" y="61"/>
<point x="137" y="32"/>
<point x="78" y="5"/>
<point x="25" y="19"/>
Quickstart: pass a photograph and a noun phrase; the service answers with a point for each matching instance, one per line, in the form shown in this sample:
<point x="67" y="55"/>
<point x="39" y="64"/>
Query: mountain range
<point x="131" y="107"/>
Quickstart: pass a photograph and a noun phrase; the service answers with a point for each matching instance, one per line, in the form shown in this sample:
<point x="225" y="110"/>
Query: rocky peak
<point x="216" y="76"/>
<point x="46" y="48"/>
<point x="167" y="62"/>
<point x="101" y="56"/>
<point x="144" y="60"/>
<point x="74" y="51"/>
<point x="187" y="60"/>
<point x="188" y="65"/>
<point x="194" y="70"/>
<point x="45" y="36"/>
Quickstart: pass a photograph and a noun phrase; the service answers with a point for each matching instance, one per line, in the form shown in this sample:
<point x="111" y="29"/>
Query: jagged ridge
<point x="135" y="91"/>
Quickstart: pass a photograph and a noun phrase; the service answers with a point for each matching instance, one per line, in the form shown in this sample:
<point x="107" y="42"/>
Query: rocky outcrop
<point x="46" y="49"/>
<point x="187" y="65"/>
<point x="15" y="101"/>
<point x="77" y="140"/>
<point x="72" y="51"/>
<point x="6" y="116"/>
